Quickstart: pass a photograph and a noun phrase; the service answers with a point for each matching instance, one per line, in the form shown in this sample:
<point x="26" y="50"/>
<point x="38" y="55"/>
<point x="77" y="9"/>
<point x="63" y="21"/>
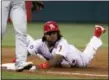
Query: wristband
<point x="44" y="65"/>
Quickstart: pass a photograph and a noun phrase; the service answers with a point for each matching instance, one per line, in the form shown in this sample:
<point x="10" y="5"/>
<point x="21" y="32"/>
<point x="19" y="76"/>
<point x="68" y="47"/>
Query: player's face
<point x="51" y="36"/>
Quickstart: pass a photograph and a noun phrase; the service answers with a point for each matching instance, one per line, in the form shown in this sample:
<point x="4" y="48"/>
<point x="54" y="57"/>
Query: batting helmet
<point x="50" y="26"/>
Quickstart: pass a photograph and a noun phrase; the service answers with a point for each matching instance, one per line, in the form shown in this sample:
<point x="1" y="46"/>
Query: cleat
<point x="24" y="66"/>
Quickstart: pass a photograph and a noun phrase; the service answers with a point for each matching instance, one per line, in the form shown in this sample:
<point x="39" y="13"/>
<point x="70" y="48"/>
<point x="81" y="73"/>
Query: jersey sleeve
<point x="62" y="48"/>
<point x="32" y="45"/>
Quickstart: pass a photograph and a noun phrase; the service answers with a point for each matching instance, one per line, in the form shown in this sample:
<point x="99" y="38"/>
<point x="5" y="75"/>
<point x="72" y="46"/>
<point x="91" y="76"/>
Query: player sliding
<point x="58" y="52"/>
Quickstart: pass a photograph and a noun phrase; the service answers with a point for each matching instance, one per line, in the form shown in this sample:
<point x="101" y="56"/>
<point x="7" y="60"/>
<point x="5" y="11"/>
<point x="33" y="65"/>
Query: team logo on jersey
<point x="31" y="47"/>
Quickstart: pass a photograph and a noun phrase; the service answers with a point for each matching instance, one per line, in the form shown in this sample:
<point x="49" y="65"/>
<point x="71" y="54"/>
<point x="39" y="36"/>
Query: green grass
<point x="76" y="34"/>
<point x="17" y="75"/>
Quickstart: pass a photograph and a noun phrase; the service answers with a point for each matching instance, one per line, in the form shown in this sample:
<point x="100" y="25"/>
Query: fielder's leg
<point x="5" y="12"/>
<point x="18" y="16"/>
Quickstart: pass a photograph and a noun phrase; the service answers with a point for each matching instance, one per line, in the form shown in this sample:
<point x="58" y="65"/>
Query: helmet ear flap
<point x="50" y="26"/>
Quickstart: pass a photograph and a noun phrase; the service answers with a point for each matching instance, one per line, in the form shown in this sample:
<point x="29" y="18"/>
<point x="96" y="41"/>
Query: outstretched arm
<point x="54" y="62"/>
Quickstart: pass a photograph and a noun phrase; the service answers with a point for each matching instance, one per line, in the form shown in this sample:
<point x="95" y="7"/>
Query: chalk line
<point x="78" y="74"/>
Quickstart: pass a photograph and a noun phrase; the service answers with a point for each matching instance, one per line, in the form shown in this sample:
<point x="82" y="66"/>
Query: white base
<point x="11" y="66"/>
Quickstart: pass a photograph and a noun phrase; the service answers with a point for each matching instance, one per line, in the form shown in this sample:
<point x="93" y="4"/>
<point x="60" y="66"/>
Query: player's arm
<point x="59" y="56"/>
<point x="31" y="45"/>
<point x="56" y="60"/>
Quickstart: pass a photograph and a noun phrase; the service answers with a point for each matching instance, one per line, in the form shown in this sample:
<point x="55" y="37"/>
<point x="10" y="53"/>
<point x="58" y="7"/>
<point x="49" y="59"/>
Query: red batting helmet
<point x="50" y="26"/>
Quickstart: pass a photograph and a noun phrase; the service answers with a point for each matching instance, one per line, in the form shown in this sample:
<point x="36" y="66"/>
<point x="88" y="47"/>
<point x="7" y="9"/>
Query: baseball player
<point x="58" y="52"/>
<point x="16" y="10"/>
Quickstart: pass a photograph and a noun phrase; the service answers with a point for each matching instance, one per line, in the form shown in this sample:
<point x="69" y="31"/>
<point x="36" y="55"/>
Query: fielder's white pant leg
<point x="5" y="13"/>
<point x="19" y="19"/>
<point x="91" y="49"/>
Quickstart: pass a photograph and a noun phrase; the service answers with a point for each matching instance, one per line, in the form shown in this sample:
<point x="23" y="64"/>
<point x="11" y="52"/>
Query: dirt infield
<point x="97" y="68"/>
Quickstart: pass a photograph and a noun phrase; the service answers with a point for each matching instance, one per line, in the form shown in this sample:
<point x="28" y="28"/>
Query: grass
<point x="76" y="34"/>
<point x="16" y="75"/>
<point x="28" y="76"/>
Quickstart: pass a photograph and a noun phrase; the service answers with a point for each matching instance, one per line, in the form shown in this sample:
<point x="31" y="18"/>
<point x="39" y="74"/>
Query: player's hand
<point x="44" y="65"/>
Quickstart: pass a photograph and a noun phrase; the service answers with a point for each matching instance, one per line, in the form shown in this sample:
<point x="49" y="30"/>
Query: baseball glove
<point x="37" y="6"/>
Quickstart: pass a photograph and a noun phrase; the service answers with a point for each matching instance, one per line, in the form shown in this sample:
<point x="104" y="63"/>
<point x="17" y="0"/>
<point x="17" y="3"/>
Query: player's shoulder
<point x="62" y="41"/>
<point x="38" y="41"/>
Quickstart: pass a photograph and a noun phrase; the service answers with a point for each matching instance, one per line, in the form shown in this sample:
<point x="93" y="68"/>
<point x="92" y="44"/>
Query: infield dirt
<point x="99" y="65"/>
